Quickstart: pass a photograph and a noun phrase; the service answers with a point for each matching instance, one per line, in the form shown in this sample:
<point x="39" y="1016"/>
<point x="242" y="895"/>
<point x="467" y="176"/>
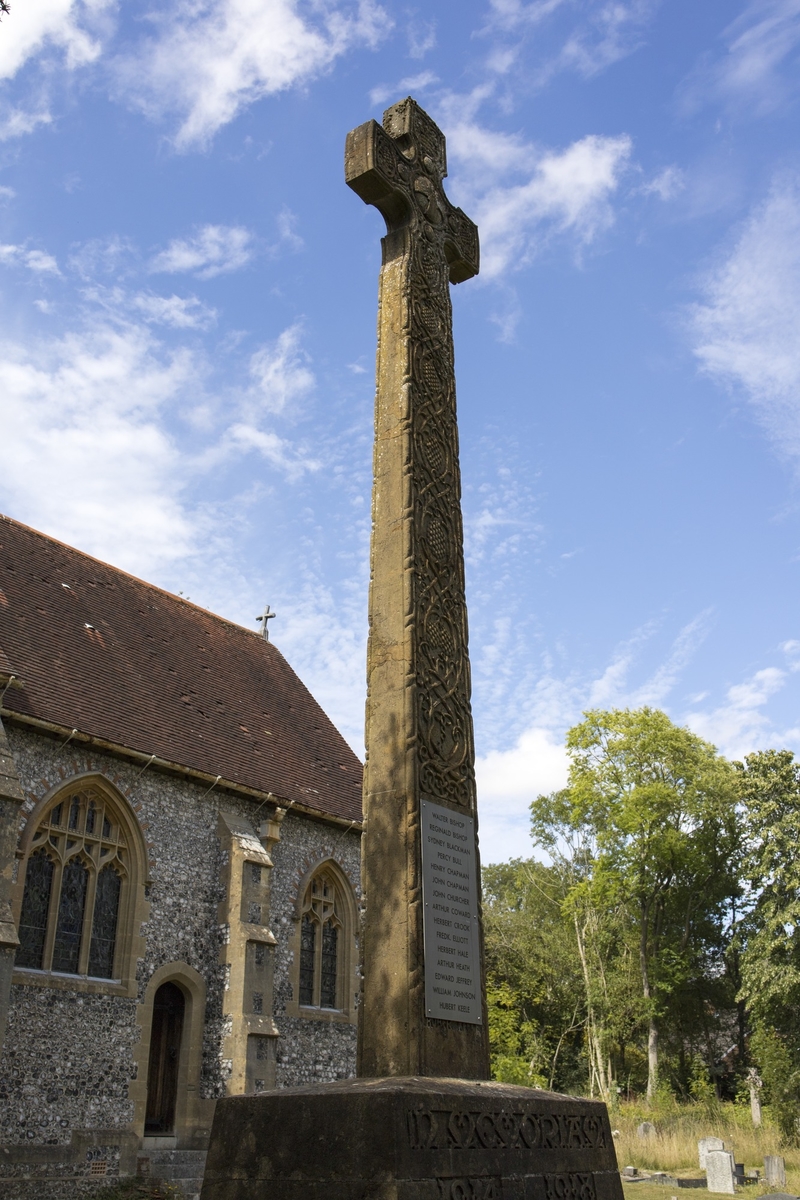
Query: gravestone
<point x="705" y="1145"/>
<point x="422" y="1121"/>
<point x="774" y="1170"/>
<point x="755" y="1083"/>
<point x="719" y="1172"/>
<point x="646" y="1130"/>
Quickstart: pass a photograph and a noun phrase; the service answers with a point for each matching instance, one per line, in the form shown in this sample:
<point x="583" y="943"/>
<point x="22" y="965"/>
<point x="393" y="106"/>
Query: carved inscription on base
<point x="480" y="1187"/>
<point x="446" y="1129"/>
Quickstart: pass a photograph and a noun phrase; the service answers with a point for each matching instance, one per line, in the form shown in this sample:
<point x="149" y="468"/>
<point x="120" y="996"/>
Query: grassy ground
<point x="679" y="1127"/>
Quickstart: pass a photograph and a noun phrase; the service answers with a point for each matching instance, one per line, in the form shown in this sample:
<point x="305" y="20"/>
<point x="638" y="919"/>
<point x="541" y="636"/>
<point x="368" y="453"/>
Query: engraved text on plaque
<point x="450" y="921"/>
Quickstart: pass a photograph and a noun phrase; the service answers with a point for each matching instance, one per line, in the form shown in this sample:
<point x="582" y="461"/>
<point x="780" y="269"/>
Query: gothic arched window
<point x="78" y="865"/>
<point x="321" y="926"/>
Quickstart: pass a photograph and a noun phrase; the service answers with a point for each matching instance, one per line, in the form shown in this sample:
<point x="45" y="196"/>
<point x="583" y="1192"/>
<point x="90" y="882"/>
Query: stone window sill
<point x="331" y="1015"/>
<point x="71" y="983"/>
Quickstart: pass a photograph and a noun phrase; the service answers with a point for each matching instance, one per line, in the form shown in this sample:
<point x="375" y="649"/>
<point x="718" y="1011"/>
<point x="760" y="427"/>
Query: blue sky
<point x="188" y="295"/>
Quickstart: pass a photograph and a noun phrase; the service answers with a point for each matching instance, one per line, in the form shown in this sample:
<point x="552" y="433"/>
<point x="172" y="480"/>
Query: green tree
<point x="770" y="932"/>
<point x="536" y="1014"/>
<point x="648" y="822"/>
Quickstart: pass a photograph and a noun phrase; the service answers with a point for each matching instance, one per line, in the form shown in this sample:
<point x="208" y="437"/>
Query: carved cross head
<point x="399" y="168"/>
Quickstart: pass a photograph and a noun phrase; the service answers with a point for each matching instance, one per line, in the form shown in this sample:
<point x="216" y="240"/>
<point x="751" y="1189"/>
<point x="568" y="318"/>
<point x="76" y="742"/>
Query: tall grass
<point x="679" y="1127"/>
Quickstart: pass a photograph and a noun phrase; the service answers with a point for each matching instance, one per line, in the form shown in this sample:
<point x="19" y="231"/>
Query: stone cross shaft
<point x="419" y="736"/>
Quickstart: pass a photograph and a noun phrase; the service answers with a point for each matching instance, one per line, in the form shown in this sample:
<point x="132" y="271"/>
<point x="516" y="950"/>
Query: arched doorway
<point x="165" y="1052"/>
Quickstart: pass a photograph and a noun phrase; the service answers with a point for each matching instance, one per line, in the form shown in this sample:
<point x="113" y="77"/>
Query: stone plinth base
<point x="411" y="1139"/>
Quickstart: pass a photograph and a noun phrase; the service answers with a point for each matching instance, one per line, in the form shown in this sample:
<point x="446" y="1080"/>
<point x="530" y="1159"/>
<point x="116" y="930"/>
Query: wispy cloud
<point x="602" y="34"/>
<point x="206" y="62"/>
<point x="214" y="250"/>
<point x="179" y="312"/>
<point x="747" y="331"/>
<point x="667" y="184"/>
<point x="17" y="122"/>
<point x="280" y="372"/>
<point x="421" y="37"/>
<point x="509" y="777"/>
<point x="412" y="84"/>
<point x="34" y="260"/>
<point x="740" y="725"/>
<point x="757" y="70"/>
<point x="91" y="424"/>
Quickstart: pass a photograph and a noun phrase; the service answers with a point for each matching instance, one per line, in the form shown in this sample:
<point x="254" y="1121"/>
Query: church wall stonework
<point x="70" y="1059"/>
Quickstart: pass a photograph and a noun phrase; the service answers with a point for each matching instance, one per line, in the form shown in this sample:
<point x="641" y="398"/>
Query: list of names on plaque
<point x="450" y="896"/>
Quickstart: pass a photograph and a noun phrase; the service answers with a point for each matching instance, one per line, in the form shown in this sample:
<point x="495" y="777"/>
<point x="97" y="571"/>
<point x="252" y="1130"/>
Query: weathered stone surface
<point x="411" y="1139"/>
<point x="70" y="1061"/>
<point x="646" y="1130"/>
<point x="704" y="1146"/>
<point x="774" y="1170"/>
<point x="720" y="1172"/>
<point x="419" y="723"/>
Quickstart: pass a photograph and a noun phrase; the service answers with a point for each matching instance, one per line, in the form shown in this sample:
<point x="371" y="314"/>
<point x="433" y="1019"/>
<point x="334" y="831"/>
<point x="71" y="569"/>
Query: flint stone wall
<point x="69" y="1056"/>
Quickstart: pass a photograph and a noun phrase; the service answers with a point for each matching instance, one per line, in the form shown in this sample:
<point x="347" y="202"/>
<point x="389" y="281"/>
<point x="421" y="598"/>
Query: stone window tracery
<point x="320" y="929"/>
<point x="78" y="867"/>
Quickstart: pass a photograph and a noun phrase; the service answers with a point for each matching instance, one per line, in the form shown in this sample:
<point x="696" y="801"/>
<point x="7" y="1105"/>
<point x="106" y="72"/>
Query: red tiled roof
<point x="125" y="662"/>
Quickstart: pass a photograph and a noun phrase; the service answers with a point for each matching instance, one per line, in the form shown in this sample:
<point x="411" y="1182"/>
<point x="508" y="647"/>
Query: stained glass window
<point x="67" y="946"/>
<point x="35" y="907"/>
<point x="72" y="886"/>
<point x="330" y="936"/>
<point x="104" y="923"/>
<point x="319" y="944"/>
<point x="308" y="937"/>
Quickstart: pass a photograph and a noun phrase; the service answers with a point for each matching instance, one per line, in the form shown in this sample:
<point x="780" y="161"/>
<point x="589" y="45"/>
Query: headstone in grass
<point x="706" y="1144"/>
<point x="719" y="1172"/>
<point x="774" y="1170"/>
<point x="646" y="1130"/>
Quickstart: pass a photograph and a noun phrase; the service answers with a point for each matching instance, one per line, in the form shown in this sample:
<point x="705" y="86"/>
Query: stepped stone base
<point x="411" y="1139"/>
<point x="182" y="1169"/>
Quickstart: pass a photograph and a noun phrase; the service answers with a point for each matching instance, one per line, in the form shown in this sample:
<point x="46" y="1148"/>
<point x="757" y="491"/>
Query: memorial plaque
<point x="450" y="915"/>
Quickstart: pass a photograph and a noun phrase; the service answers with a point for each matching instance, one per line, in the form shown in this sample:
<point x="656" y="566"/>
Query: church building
<point x="180" y="832"/>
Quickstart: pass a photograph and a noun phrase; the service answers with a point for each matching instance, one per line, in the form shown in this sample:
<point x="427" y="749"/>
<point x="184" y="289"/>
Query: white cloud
<point x="740" y="725"/>
<point x="34" y="260"/>
<point x="16" y="123"/>
<point x="207" y="60"/>
<point x="747" y="332"/>
<point x="565" y="191"/>
<point x="39" y="24"/>
<point x="87" y="457"/>
<point x="180" y="312"/>
<point x="507" y="783"/>
<point x="280" y="372"/>
<point x="421" y="38"/>
<point x="602" y="35"/>
<point x="758" y="68"/>
<point x="91" y="456"/>
<point x="214" y="250"/>
<point x="613" y="32"/>
<point x="667" y="184"/>
<point x="536" y="763"/>
<point x="408" y="86"/>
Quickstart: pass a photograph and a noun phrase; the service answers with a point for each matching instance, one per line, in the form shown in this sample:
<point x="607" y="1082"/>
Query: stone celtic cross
<point x="422" y="1006"/>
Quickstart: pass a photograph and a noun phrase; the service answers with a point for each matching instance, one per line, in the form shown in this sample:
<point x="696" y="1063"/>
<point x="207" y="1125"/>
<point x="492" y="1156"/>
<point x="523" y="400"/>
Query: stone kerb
<point x="720" y="1172"/>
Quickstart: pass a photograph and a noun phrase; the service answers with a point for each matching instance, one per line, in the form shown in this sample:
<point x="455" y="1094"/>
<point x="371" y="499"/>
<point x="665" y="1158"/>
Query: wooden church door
<point x="165" y="1053"/>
